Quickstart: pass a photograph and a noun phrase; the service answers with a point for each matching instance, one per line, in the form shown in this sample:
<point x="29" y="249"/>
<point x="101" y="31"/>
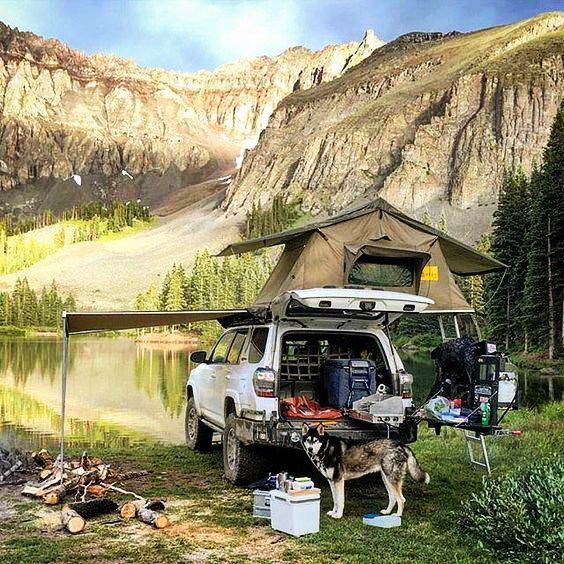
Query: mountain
<point x="63" y="113"/>
<point x="428" y="120"/>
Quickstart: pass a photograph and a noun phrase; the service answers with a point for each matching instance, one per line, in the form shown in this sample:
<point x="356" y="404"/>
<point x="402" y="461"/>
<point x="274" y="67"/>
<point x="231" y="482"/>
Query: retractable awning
<point x="93" y="322"/>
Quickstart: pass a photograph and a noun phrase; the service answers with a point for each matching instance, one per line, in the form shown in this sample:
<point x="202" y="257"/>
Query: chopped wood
<point x="158" y="520"/>
<point x="128" y="510"/>
<point x="42" y="458"/>
<point x="124" y="476"/>
<point x="45" y="473"/>
<point x="71" y="520"/>
<point x="93" y="507"/>
<point x="55" y="496"/>
<point x="96" y="490"/>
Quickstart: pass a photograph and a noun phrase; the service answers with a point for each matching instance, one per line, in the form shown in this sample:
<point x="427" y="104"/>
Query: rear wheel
<point x="242" y="464"/>
<point x="198" y="435"/>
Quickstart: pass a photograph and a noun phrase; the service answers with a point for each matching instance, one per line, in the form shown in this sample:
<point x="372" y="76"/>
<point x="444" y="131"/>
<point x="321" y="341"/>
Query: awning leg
<point x="66" y="340"/>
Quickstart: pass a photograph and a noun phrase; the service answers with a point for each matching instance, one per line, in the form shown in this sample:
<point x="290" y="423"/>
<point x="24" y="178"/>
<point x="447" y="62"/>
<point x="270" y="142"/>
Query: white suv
<point x="280" y="353"/>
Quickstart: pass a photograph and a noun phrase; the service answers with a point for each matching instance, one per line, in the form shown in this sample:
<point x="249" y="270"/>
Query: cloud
<point x="189" y="35"/>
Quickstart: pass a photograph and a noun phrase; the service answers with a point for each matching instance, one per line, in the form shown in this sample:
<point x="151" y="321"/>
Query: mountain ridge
<point x="419" y="123"/>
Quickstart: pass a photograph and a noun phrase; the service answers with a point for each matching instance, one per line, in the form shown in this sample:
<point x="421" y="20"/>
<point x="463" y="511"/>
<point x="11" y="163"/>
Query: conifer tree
<point x="544" y="288"/>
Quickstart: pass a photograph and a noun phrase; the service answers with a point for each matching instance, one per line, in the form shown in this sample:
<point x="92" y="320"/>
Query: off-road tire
<point x="198" y="434"/>
<point x="242" y="464"/>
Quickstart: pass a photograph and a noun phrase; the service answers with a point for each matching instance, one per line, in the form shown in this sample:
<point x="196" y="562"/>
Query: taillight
<point x="264" y="380"/>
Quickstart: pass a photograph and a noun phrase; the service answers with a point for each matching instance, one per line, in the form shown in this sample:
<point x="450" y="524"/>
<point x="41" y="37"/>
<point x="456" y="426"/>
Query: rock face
<point x="64" y="113"/>
<point x="426" y="118"/>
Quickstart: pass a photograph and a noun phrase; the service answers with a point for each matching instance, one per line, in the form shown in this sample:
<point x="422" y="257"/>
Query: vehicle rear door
<point x="232" y="382"/>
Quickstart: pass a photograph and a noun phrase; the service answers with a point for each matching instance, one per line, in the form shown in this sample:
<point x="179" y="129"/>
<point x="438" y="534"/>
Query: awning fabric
<point x="92" y="322"/>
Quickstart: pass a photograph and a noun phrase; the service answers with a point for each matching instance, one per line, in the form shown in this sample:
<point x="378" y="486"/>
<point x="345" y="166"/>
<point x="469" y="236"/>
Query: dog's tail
<point x="415" y="471"/>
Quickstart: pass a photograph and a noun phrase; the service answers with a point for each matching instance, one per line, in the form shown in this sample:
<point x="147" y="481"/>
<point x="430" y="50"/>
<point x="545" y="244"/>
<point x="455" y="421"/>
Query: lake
<point x="123" y="393"/>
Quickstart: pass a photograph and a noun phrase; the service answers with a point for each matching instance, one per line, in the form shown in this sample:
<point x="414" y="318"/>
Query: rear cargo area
<point x="332" y="368"/>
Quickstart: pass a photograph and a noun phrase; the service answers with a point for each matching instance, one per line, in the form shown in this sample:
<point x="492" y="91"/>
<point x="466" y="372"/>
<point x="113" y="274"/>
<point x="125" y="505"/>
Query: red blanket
<point x="302" y="407"/>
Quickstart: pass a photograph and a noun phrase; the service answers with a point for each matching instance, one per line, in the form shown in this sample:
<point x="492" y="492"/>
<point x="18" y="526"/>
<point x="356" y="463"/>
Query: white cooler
<point x="296" y="515"/>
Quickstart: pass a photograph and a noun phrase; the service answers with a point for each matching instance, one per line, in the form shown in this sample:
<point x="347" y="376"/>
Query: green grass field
<point x="212" y="522"/>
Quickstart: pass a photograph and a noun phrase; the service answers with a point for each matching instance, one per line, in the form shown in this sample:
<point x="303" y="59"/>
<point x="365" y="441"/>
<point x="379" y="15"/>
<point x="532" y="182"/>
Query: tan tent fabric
<point x="322" y="255"/>
<point x="91" y="322"/>
<point x="462" y="259"/>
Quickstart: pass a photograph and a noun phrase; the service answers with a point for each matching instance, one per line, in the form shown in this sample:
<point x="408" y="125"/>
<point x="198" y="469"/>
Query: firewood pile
<point x="84" y="484"/>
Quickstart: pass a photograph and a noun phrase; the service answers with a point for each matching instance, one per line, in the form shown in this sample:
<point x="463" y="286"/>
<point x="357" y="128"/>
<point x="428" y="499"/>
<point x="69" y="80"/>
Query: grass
<point x="212" y="522"/>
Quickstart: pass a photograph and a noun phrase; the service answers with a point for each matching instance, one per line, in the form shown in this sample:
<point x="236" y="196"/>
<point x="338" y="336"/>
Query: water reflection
<point x="122" y="393"/>
<point x="119" y="392"/>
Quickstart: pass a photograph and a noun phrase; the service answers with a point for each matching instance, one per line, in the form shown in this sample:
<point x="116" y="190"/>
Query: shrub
<point x="520" y="516"/>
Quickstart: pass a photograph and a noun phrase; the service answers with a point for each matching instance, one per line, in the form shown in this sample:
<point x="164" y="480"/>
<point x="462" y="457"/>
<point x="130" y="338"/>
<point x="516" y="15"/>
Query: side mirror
<point x="198" y="357"/>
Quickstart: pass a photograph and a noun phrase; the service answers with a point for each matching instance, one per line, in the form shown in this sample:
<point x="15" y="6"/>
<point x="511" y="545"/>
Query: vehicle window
<point x="236" y="347"/>
<point x="370" y="271"/>
<point x="258" y="344"/>
<point x="221" y="349"/>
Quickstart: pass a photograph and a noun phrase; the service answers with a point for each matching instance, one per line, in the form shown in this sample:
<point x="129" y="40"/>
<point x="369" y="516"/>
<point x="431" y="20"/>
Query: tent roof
<point x="92" y="322"/>
<point x="462" y="259"/>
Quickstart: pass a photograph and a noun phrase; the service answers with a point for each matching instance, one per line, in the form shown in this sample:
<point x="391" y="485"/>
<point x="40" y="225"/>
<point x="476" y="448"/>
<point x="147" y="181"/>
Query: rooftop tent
<point x="376" y="246"/>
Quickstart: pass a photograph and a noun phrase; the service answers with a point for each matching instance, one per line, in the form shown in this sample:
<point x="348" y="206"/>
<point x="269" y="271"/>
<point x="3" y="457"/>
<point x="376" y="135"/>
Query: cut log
<point x="128" y="510"/>
<point x="124" y="476"/>
<point x="96" y="490"/>
<point x="42" y="458"/>
<point x="56" y="495"/>
<point x="93" y="508"/>
<point x="72" y="521"/>
<point x="158" y="520"/>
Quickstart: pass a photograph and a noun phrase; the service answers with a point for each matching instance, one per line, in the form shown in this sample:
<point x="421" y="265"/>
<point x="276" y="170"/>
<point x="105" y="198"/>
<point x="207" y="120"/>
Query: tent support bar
<point x="66" y="339"/>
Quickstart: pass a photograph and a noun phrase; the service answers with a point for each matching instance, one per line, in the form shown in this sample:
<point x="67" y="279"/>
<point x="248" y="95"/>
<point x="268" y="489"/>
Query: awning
<point x="92" y="322"/>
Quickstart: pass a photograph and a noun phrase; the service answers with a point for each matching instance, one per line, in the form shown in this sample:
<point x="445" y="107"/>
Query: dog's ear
<point x="320" y="430"/>
<point x="305" y="429"/>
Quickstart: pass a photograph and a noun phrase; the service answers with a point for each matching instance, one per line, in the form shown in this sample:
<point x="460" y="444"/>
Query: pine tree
<point x="544" y="288"/>
<point x="443" y="224"/>
<point x="505" y="290"/>
<point x="427" y="219"/>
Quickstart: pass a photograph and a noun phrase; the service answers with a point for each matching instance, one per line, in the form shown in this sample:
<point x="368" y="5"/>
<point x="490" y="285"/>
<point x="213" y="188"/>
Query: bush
<point x="520" y="516"/>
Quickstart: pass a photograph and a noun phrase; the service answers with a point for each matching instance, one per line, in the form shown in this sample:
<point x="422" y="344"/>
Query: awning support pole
<point x="66" y="339"/>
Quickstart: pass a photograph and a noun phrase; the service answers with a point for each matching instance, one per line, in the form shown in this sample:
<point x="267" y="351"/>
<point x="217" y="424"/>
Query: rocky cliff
<point x="426" y="118"/>
<point x="63" y="113"/>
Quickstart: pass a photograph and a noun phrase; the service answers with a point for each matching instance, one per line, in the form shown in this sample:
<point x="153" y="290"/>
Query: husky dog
<point x="337" y="461"/>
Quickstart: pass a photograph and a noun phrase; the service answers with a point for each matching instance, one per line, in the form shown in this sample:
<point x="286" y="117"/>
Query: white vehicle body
<point x="225" y="389"/>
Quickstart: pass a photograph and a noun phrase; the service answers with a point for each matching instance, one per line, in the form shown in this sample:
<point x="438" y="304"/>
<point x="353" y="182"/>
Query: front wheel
<point x="242" y="464"/>
<point x="198" y="435"/>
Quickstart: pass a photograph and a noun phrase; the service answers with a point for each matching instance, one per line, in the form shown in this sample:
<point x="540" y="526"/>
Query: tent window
<point x="382" y="271"/>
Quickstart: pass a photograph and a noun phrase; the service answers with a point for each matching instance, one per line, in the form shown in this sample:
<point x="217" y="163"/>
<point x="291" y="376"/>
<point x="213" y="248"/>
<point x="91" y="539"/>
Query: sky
<point x="188" y="35"/>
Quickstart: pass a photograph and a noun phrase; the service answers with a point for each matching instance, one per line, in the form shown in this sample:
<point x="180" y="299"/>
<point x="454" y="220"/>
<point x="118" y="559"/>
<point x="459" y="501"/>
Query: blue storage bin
<point x="346" y="381"/>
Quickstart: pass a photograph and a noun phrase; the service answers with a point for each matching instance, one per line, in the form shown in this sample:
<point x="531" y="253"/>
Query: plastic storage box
<point x="296" y="515"/>
<point x="261" y="504"/>
<point x="346" y="381"/>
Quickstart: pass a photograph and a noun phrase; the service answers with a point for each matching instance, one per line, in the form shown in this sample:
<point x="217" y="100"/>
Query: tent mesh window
<point x="304" y="354"/>
<point x="382" y="271"/>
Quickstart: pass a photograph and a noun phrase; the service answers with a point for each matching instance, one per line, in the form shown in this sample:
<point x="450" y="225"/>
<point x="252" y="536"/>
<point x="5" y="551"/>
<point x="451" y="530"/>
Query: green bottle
<point x="485" y="414"/>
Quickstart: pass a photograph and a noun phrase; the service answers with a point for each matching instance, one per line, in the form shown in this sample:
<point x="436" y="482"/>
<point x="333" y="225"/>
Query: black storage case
<point x="346" y="381"/>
